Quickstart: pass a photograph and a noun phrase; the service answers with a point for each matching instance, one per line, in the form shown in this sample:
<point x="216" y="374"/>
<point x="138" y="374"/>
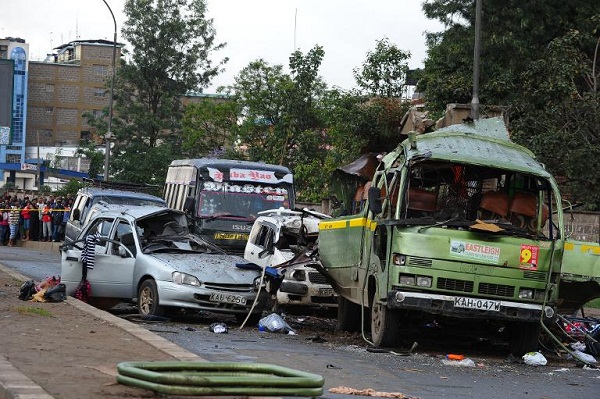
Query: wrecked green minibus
<point x="456" y="225"/>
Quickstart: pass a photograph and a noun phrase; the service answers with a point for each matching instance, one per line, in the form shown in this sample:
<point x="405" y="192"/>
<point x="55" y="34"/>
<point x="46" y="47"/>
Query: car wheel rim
<point x="146" y="301"/>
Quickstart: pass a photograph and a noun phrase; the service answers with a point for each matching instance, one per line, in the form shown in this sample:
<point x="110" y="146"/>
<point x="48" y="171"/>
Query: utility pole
<point x="109" y="134"/>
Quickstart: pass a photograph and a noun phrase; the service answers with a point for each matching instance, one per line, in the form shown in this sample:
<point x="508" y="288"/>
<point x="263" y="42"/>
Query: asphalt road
<point x="347" y="362"/>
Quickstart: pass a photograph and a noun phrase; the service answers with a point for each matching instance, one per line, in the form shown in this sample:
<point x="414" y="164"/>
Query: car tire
<point x="148" y="300"/>
<point x="385" y="326"/>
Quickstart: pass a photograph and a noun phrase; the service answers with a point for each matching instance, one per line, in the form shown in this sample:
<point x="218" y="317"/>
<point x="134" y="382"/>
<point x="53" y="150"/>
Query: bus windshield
<point x="240" y="200"/>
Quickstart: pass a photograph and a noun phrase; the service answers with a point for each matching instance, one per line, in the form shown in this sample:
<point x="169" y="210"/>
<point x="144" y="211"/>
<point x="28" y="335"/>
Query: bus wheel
<point x="523" y="338"/>
<point x="385" y="326"/>
<point x="348" y="315"/>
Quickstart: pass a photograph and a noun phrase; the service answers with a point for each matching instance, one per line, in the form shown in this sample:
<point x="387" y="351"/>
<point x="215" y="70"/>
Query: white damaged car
<point x="286" y="240"/>
<point x="145" y="255"/>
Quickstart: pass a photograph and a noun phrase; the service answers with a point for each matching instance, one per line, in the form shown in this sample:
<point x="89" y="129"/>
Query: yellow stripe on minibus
<point x="342" y="224"/>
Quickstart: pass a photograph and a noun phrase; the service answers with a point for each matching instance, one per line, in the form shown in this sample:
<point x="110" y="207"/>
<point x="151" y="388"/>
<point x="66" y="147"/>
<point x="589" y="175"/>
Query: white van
<point x="89" y="196"/>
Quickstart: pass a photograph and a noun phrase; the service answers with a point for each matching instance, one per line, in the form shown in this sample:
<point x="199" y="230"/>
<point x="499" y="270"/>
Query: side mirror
<point x="76" y="214"/>
<point x="102" y="240"/>
<point x="189" y="205"/>
<point x="375" y="203"/>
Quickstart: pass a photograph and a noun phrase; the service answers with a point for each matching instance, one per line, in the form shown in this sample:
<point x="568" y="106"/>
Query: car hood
<point x="219" y="268"/>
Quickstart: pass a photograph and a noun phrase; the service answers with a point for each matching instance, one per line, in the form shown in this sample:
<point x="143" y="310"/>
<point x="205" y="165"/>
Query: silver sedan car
<point x="145" y="254"/>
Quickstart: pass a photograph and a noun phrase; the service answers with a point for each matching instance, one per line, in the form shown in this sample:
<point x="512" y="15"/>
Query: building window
<point x="49" y="88"/>
<point x="100" y="70"/>
<point x="99" y="93"/>
<point x="49" y="110"/>
<point x="13" y="158"/>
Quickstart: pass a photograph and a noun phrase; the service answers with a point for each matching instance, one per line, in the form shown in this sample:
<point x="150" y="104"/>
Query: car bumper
<point x="445" y="305"/>
<point x="301" y="294"/>
<point x="190" y="297"/>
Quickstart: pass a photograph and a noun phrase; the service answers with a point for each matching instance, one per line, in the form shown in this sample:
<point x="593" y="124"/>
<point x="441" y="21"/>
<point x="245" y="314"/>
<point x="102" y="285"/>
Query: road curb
<point x="16" y="385"/>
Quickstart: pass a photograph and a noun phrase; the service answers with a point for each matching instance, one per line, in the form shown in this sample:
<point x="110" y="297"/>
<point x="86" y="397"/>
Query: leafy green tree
<point x="96" y="158"/>
<point x="514" y="33"/>
<point x="281" y="121"/>
<point x="210" y="128"/>
<point x="172" y="42"/>
<point x="384" y="71"/>
<point x="559" y="115"/>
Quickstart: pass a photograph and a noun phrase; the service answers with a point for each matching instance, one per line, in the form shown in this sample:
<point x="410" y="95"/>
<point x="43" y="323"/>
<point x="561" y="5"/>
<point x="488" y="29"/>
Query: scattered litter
<point x="584" y="357"/>
<point x="534" y="359"/>
<point x="466" y="362"/>
<point x="369" y="392"/>
<point x="588" y="367"/>
<point x="452" y="356"/>
<point x="578" y="346"/>
<point x="332" y="366"/>
<point x="316" y="339"/>
<point x="561" y="370"/>
<point x="188" y="328"/>
<point x="218" y="328"/>
<point x="274" y="323"/>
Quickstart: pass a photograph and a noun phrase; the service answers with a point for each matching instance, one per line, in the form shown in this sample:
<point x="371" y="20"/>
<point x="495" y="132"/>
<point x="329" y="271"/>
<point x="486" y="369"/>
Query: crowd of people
<point x="41" y="218"/>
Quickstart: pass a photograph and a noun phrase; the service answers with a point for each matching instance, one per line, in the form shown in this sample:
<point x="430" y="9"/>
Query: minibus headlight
<point x="424" y="281"/>
<point x="407" y="279"/>
<point x="526" y="293"/>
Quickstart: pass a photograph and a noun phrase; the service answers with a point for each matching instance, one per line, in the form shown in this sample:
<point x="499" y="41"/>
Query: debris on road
<point x="274" y="323"/>
<point x="465" y="362"/>
<point x="219" y="328"/>
<point x="369" y="392"/>
<point x="534" y="359"/>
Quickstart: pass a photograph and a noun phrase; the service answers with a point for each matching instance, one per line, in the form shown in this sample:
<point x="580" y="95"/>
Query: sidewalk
<point x="69" y="349"/>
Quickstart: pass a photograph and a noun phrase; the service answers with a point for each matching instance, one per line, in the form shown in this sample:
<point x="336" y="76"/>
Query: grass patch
<point x="34" y="311"/>
<point x="593" y="304"/>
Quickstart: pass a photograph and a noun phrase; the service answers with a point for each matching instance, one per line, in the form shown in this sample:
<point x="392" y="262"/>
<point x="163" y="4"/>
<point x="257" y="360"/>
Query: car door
<point x="260" y="241"/>
<point x="71" y="265"/>
<point x="112" y="276"/>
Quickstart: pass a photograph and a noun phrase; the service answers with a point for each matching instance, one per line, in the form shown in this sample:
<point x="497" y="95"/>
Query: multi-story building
<point x="58" y="92"/>
<point x="13" y="102"/>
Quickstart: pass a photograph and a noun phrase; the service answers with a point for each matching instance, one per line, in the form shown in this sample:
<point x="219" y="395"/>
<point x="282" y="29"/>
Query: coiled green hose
<point x="214" y="378"/>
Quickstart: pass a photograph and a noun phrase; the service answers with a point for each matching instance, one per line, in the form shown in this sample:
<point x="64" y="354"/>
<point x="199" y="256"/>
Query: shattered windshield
<point x="240" y="200"/>
<point x="168" y="232"/>
<point x="476" y="198"/>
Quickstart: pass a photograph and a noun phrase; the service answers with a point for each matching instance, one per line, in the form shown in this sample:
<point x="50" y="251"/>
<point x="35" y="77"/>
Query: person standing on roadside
<point x="66" y="215"/>
<point x="40" y="207"/>
<point x="47" y="222"/>
<point x="3" y="222"/>
<point x="13" y="223"/>
<point x="57" y="218"/>
<point x="26" y="215"/>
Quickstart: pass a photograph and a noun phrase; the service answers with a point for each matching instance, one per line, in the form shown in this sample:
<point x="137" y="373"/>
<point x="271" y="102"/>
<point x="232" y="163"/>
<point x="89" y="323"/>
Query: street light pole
<point x="112" y="88"/>
<point x="476" y="56"/>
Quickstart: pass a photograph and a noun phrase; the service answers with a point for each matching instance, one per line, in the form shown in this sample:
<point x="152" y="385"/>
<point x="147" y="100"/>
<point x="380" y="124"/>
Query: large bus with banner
<point x="222" y="197"/>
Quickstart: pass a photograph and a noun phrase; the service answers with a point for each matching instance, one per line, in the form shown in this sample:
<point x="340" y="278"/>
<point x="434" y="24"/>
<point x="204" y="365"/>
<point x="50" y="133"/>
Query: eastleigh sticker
<point x="474" y="251"/>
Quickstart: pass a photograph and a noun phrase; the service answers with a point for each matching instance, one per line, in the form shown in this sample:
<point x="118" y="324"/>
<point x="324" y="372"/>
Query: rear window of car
<point x="129" y="201"/>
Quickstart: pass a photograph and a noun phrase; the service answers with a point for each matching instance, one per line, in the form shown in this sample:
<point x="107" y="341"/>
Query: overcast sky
<point x="252" y="29"/>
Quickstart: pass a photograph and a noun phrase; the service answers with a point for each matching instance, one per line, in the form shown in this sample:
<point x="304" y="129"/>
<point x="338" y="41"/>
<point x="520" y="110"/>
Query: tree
<point x="559" y="114"/>
<point x="210" y="128"/>
<point x="96" y="158"/>
<point x="384" y="71"/>
<point x="514" y="33"/>
<point x="281" y="121"/>
<point x="172" y="43"/>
